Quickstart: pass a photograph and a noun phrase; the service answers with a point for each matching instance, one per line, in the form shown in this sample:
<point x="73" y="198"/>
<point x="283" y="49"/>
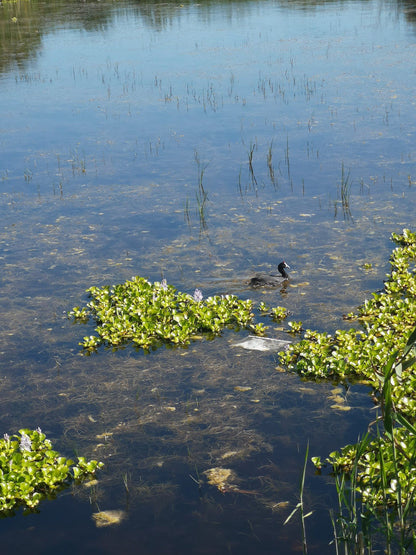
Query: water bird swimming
<point x="270" y="280"/>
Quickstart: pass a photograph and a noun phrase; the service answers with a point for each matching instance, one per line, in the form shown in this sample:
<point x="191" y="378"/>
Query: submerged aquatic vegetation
<point x="219" y="477"/>
<point x="30" y="470"/>
<point x="148" y="314"/>
<point x="108" y="518"/>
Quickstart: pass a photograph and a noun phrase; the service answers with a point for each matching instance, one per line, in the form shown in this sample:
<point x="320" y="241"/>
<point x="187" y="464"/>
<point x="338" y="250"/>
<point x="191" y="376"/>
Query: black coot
<point x="260" y="280"/>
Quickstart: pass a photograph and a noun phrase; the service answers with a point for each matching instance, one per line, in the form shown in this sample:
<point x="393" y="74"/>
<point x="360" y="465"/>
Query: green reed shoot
<point x="250" y="165"/>
<point x="201" y="194"/>
<point x="270" y="164"/>
<point x="300" y="505"/>
<point x="350" y="518"/>
<point x="344" y="193"/>
<point x="187" y="217"/>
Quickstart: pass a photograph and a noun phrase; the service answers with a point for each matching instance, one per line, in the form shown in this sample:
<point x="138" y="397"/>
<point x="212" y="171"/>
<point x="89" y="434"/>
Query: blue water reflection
<point x="200" y="143"/>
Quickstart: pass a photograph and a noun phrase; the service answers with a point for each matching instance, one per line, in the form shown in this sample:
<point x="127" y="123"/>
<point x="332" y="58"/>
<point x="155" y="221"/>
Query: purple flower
<point x="164" y="285"/>
<point x="25" y="443"/>
<point x="198" y="296"/>
<point x="6" y="437"/>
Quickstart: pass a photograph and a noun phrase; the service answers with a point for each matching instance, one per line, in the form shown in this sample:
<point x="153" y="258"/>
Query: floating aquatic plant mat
<point x="386" y="321"/>
<point x="382" y="353"/>
<point x="30" y="470"/>
<point x="150" y="314"/>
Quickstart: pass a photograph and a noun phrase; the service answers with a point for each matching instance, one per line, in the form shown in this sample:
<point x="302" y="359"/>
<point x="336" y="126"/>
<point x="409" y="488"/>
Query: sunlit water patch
<point x="201" y="144"/>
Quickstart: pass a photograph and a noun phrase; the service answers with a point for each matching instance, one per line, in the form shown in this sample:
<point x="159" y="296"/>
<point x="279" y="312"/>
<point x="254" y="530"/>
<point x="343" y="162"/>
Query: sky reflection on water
<point x="119" y="117"/>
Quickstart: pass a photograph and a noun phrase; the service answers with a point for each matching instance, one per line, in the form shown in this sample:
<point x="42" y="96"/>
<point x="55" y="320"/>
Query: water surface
<point x="200" y="143"/>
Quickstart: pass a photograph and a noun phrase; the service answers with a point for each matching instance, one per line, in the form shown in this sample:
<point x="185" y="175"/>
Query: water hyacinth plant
<point x="385" y="322"/>
<point x="148" y="314"/>
<point x="375" y="478"/>
<point x="277" y="313"/>
<point x="30" y="470"/>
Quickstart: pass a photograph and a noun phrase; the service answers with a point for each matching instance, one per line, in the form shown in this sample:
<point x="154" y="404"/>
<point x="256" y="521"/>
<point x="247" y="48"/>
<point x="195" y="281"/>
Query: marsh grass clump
<point x="149" y="314"/>
<point x="30" y="470"/>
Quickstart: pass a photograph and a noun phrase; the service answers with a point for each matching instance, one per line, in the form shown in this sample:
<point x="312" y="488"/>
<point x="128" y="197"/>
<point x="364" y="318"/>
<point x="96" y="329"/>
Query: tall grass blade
<point x="300" y="506"/>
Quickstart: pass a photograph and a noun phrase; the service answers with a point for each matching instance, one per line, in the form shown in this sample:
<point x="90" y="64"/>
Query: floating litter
<point x="253" y="343"/>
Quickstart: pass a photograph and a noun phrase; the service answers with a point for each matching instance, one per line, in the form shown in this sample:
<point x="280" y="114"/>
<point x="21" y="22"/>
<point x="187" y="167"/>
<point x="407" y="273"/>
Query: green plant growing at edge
<point x="376" y="477"/>
<point x="381" y="472"/>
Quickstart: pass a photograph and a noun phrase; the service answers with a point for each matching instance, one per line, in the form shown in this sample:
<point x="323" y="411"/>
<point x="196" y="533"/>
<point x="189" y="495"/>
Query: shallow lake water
<point x="197" y="142"/>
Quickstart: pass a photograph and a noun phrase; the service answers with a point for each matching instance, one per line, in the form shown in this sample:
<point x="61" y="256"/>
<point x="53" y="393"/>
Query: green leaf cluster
<point x="148" y="314"/>
<point x="295" y="327"/>
<point x="277" y="313"/>
<point x="385" y="323"/>
<point x="381" y="352"/>
<point x="30" y="470"/>
<point x="383" y="467"/>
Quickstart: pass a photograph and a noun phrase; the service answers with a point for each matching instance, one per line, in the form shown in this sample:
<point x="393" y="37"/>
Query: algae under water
<point x="199" y="143"/>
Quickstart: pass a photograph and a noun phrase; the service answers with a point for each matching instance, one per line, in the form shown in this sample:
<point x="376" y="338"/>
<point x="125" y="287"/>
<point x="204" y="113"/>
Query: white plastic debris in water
<point x="254" y="343"/>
